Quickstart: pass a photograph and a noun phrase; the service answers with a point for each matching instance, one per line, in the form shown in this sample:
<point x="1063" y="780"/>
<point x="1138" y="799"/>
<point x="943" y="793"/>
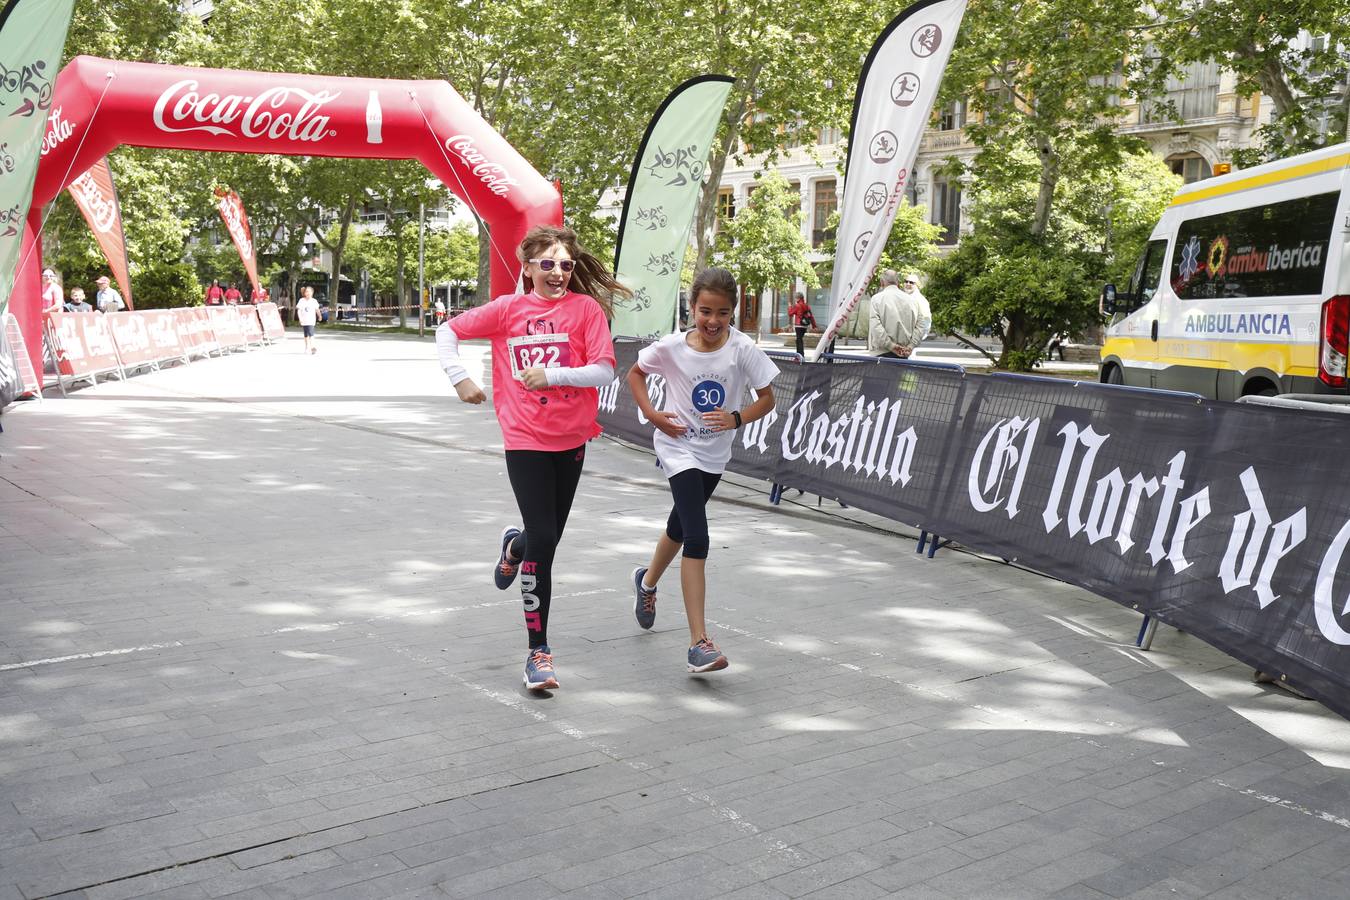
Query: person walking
<point x="708" y="370"/>
<point x="898" y="320"/>
<point x="307" y="314"/>
<point x="107" y="300"/>
<point x="551" y="349"/>
<point x="802" y="318"/>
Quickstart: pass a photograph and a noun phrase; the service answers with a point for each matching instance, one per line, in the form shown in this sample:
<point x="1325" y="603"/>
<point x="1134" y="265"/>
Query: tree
<point x="1026" y="288"/>
<point x="1044" y="81"/>
<point x="1293" y="53"/>
<point x="763" y="245"/>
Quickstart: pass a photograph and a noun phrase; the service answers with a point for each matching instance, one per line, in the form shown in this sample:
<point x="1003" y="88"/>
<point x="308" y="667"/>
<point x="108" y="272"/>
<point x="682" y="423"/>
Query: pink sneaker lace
<point x="542" y="661"/>
<point x="648" y="599"/>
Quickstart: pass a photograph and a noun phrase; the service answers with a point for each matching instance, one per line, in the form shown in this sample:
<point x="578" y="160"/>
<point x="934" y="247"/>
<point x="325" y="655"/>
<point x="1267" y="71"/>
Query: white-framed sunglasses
<point x="546" y="265"/>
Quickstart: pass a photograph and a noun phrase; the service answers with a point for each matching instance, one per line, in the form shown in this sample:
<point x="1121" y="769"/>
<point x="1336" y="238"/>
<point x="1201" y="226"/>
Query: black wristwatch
<point x="736" y="414"/>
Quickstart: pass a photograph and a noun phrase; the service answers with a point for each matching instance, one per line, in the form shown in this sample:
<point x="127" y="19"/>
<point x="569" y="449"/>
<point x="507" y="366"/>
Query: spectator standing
<point x="51" y="292"/>
<point x="898" y="320"/>
<point x="233" y="296"/>
<point x="802" y="318"/>
<point x="107" y="299"/>
<point x="307" y="314"/>
<point x="215" y="294"/>
<point x="77" y="302"/>
<point x="259" y="295"/>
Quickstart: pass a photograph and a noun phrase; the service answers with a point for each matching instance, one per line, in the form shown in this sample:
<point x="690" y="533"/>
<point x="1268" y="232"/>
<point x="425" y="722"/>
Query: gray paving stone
<point x="340" y="712"/>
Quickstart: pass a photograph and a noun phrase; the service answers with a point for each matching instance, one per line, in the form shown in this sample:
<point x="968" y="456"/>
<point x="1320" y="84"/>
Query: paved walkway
<point x="249" y="648"/>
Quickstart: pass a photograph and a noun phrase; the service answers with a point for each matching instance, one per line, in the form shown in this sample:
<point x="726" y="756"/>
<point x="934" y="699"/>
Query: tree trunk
<point x="1045" y="196"/>
<point x="706" y="215"/>
<point x="335" y="278"/>
<point x="400" y="255"/>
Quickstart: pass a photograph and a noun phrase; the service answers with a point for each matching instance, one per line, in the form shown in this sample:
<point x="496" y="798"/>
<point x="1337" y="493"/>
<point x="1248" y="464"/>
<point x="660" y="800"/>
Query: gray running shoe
<point x="539" y="674"/>
<point x="644" y="601"/>
<point x="505" y="571"/>
<point x="705" y="657"/>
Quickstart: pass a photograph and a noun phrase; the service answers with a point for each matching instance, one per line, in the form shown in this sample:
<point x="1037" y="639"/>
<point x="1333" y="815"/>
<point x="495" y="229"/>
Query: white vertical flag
<point x="896" y="90"/>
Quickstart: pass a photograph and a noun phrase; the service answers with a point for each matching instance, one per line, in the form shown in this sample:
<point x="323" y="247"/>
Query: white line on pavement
<point x="95" y="655"/>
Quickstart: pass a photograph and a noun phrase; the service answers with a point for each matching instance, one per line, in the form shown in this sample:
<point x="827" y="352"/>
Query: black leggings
<point x="688" y="522"/>
<point x="544" y="482"/>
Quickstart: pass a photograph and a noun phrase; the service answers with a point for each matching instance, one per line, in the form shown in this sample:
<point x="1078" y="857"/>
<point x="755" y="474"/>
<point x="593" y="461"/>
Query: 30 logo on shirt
<point x="708" y="395"/>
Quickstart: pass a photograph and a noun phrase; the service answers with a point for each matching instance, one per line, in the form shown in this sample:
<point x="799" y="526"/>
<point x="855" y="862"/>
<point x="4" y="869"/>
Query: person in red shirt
<point x="215" y="294"/>
<point x="52" y="298"/>
<point x="551" y="349"/>
<point x="259" y="295"/>
<point x="802" y="317"/>
<point x="233" y="296"/>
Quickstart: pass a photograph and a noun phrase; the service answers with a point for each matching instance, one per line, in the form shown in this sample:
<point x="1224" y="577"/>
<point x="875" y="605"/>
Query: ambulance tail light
<point x="1335" y="343"/>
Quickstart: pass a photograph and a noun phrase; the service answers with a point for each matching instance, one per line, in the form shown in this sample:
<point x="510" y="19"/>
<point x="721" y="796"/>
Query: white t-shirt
<point x="696" y="383"/>
<point x="307" y="311"/>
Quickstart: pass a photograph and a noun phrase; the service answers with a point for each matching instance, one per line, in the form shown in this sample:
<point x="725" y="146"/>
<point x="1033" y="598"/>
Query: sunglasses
<point x="546" y="265"/>
<point x="912" y="282"/>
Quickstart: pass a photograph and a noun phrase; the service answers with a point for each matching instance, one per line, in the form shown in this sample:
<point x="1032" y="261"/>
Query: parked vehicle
<point x="1256" y="298"/>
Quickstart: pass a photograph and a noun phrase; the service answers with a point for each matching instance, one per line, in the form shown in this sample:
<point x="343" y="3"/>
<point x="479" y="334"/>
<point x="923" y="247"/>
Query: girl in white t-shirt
<point x="708" y="371"/>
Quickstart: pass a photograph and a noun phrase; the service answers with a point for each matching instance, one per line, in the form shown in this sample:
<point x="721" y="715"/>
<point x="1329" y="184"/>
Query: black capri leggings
<point x="544" y="482"/>
<point x="688" y="522"/>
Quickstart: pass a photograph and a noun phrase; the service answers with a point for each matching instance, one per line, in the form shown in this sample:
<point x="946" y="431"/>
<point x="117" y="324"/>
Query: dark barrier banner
<point x="1228" y="521"/>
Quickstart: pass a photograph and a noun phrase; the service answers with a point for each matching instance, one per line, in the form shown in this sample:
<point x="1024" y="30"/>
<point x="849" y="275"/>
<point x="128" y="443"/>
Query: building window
<point x="830" y="136"/>
<point x="826" y="202"/>
<point x="1193" y="95"/>
<point x="952" y="117"/>
<point x="1191" y="167"/>
<point x="726" y="204"/>
<point x="947" y="209"/>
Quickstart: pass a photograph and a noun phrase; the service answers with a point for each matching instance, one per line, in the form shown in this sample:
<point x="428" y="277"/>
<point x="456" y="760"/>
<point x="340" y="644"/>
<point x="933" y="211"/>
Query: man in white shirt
<point x="107" y="299"/>
<point x="307" y="314"/>
<point x="899" y="320"/>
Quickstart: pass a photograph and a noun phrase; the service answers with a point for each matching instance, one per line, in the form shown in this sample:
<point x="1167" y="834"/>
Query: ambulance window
<point x="1265" y="251"/>
<point x="1149" y="274"/>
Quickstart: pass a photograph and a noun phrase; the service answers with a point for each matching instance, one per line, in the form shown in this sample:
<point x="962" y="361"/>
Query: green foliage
<point x="1024" y="291"/>
<point x="763" y="245"/>
<point x="1265" y="47"/>
<point x="166" y="284"/>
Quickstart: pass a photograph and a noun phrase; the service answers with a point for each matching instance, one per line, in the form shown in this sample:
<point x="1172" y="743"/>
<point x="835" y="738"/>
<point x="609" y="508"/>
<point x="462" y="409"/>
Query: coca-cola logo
<point x="271" y="114"/>
<point x="493" y="175"/>
<point x="233" y="214"/>
<point x="99" y="207"/>
<point x="58" y="130"/>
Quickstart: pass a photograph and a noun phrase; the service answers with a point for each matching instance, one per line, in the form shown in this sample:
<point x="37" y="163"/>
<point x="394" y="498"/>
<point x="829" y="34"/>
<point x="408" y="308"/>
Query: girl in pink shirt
<point x="551" y="349"/>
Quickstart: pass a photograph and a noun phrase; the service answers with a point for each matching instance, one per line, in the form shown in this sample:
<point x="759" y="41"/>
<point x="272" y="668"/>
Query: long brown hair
<point x="590" y="275"/>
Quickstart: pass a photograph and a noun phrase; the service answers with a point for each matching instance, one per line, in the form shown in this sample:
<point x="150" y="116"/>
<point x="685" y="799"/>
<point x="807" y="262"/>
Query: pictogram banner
<point x="96" y="196"/>
<point x="896" y="90"/>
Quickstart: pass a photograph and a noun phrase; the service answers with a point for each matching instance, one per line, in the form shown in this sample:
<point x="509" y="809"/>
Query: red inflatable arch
<point x="99" y="104"/>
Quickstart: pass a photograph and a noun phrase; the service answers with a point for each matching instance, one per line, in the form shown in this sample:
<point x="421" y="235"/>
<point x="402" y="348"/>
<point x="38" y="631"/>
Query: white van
<point x="1257" y="294"/>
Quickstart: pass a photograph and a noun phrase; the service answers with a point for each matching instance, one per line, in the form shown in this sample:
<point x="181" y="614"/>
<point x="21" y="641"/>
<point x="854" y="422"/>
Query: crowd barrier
<point x="1229" y="521"/>
<point x="89" y="345"/>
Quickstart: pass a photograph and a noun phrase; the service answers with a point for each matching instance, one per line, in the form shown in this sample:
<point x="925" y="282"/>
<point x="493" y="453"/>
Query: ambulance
<point x="1244" y="287"/>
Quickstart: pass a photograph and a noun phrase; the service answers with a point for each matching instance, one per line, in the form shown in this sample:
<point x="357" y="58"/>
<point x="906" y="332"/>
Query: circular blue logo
<point x="709" y="395"/>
